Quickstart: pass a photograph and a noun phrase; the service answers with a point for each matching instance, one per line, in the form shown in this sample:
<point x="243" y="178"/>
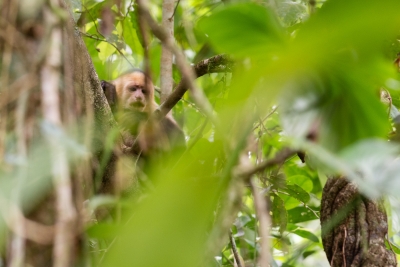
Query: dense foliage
<point x="306" y="76"/>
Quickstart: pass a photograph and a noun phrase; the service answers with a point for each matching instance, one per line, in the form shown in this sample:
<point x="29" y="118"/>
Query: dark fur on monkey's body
<point x="131" y="98"/>
<point x="110" y="93"/>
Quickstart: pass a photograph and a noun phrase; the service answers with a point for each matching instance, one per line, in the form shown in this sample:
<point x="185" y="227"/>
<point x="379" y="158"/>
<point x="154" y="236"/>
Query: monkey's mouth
<point x="137" y="105"/>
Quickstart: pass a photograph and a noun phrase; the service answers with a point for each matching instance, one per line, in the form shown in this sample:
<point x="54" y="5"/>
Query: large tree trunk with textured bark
<point x="48" y="80"/>
<point x="354" y="228"/>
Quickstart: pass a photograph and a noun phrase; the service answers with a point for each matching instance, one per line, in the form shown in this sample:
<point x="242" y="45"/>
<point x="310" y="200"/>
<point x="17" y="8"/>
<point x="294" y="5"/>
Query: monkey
<point x="146" y="139"/>
<point x="131" y="98"/>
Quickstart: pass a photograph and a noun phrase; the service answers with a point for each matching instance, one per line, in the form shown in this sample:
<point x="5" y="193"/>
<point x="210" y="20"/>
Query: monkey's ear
<point x="110" y="92"/>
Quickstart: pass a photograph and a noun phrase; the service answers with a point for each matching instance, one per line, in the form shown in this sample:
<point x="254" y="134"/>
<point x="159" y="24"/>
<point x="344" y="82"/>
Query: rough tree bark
<point x="46" y="67"/>
<point x="166" y="81"/>
<point x="354" y="229"/>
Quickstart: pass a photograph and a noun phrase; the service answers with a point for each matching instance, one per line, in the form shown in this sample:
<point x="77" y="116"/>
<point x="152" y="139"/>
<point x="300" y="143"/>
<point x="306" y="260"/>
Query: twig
<point x="94" y="21"/>
<point x="261" y="208"/>
<point x="127" y="9"/>
<point x="176" y="7"/>
<point x="193" y="106"/>
<point x="198" y="135"/>
<point x="94" y="37"/>
<point x="216" y="64"/>
<point x="235" y="251"/>
<point x="280" y="158"/>
<point x="266" y="117"/>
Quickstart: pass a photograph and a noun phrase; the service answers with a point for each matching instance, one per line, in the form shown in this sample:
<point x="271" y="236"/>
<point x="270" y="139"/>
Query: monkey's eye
<point x="132" y="89"/>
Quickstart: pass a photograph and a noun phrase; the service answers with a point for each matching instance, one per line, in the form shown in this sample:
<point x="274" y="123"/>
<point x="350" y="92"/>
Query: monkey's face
<point x="135" y="94"/>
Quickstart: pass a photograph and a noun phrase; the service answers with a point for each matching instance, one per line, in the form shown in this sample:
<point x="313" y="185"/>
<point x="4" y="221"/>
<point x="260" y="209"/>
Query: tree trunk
<point x="41" y="51"/>
<point x="354" y="228"/>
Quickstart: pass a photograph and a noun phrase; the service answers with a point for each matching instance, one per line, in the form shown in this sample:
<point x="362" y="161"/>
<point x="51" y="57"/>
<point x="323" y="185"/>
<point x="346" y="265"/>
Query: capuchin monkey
<point x="131" y="98"/>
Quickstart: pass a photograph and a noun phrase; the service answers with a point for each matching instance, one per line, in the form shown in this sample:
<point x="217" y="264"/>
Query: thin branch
<point x="176" y="7"/>
<point x="262" y="212"/>
<point x="193" y="106"/>
<point x="94" y="21"/>
<point x="215" y="64"/>
<point x="235" y="251"/>
<point x="198" y="136"/>
<point x="265" y="118"/>
<point x="94" y="37"/>
<point x="188" y="75"/>
<point x="279" y="159"/>
<point x="127" y="9"/>
<point x="260" y="203"/>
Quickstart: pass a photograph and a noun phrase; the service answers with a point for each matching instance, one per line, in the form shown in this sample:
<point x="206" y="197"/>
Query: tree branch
<point x="187" y="72"/>
<point x="166" y="80"/>
<point x="94" y="37"/>
<point x="261" y="207"/>
<point x="215" y="64"/>
<point x="236" y="254"/>
<point x="280" y="158"/>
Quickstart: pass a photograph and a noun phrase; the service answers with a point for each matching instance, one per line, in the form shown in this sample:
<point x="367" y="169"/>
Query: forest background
<point x="258" y="87"/>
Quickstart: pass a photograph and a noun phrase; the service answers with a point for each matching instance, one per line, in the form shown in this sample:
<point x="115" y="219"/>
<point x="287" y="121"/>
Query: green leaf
<point x="302" y="181"/>
<point x="376" y="161"/>
<point x="250" y="236"/>
<point x="279" y="214"/>
<point x="297" y="192"/>
<point x="243" y="30"/>
<point x="281" y="243"/>
<point x="301" y="214"/>
<point x="241" y="221"/>
<point x="392" y="246"/>
<point x="131" y="36"/>
<point x="338" y="110"/>
<point x="105" y="50"/>
<point x="306" y="234"/>
<point x="338" y="31"/>
<point x="290" y="202"/>
<point x="332" y="90"/>
<point x="172" y="220"/>
<point x="309" y="253"/>
<point x="102" y="231"/>
<point x="291" y="12"/>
